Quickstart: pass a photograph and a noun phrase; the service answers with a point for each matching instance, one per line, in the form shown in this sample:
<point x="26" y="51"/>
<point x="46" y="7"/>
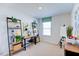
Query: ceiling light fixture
<point x="39" y="8"/>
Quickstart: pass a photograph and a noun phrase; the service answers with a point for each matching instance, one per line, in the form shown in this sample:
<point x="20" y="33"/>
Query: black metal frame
<point x="7" y="19"/>
<point x="37" y="36"/>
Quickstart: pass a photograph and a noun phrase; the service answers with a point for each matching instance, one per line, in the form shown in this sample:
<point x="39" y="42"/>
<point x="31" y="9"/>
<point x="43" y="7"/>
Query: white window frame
<point x="47" y="28"/>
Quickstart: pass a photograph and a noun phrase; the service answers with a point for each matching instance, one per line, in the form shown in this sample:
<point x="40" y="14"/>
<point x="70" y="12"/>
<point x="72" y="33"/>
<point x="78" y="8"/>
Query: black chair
<point x="61" y="41"/>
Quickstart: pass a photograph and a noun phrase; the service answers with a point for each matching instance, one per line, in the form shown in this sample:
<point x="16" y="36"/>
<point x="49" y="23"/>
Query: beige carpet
<point x="42" y="49"/>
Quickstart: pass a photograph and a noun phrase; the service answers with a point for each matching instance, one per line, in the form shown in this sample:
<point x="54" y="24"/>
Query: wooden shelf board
<point x="16" y="48"/>
<point x="16" y="43"/>
<point x="15" y="28"/>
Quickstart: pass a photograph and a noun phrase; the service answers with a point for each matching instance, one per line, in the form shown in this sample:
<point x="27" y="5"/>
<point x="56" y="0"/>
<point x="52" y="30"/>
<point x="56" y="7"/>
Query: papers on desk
<point x="71" y="41"/>
<point x="77" y="42"/>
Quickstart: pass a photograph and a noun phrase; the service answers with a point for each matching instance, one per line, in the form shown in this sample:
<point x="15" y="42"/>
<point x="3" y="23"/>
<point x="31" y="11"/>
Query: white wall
<point x="57" y="22"/>
<point x="75" y="12"/>
<point x="7" y="12"/>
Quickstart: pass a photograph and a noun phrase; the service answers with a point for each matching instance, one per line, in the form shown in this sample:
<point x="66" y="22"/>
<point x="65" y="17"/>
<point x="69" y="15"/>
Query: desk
<point x="26" y="39"/>
<point x="32" y="39"/>
<point x="71" y="50"/>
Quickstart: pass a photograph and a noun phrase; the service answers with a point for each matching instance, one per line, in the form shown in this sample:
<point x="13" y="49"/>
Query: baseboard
<point x="4" y="54"/>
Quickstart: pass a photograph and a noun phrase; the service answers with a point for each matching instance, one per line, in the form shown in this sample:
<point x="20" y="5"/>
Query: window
<point x="47" y="28"/>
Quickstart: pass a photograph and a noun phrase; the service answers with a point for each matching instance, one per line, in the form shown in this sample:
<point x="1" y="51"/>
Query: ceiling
<point x="31" y="9"/>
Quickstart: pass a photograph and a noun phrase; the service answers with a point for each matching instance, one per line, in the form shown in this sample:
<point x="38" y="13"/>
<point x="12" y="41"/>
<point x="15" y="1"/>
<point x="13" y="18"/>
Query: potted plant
<point x="18" y="38"/>
<point x="14" y="20"/>
<point x="69" y="31"/>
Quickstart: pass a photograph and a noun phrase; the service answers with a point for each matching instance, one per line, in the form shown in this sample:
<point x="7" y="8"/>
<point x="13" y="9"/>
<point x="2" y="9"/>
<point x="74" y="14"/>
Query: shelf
<point x="14" y="22"/>
<point x="14" y="46"/>
<point x="14" y="28"/>
<point x="11" y="19"/>
<point x="16" y="49"/>
<point x="13" y="52"/>
<point x="16" y="43"/>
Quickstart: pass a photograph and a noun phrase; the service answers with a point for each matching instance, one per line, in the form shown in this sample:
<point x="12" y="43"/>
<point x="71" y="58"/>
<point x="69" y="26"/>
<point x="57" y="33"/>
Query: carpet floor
<point x="42" y="49"/>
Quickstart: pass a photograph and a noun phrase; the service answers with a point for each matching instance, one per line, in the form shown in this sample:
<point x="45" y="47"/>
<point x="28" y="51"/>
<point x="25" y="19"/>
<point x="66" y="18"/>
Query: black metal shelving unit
<point x="35" y="31"/>
<point x="9" y="20"/>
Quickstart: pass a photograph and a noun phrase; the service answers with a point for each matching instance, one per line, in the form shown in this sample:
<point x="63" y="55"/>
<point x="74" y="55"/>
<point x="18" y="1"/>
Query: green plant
<point x="18" y="38"/>
<point x="14" y="19"/>
<point x="69" y="31"/>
